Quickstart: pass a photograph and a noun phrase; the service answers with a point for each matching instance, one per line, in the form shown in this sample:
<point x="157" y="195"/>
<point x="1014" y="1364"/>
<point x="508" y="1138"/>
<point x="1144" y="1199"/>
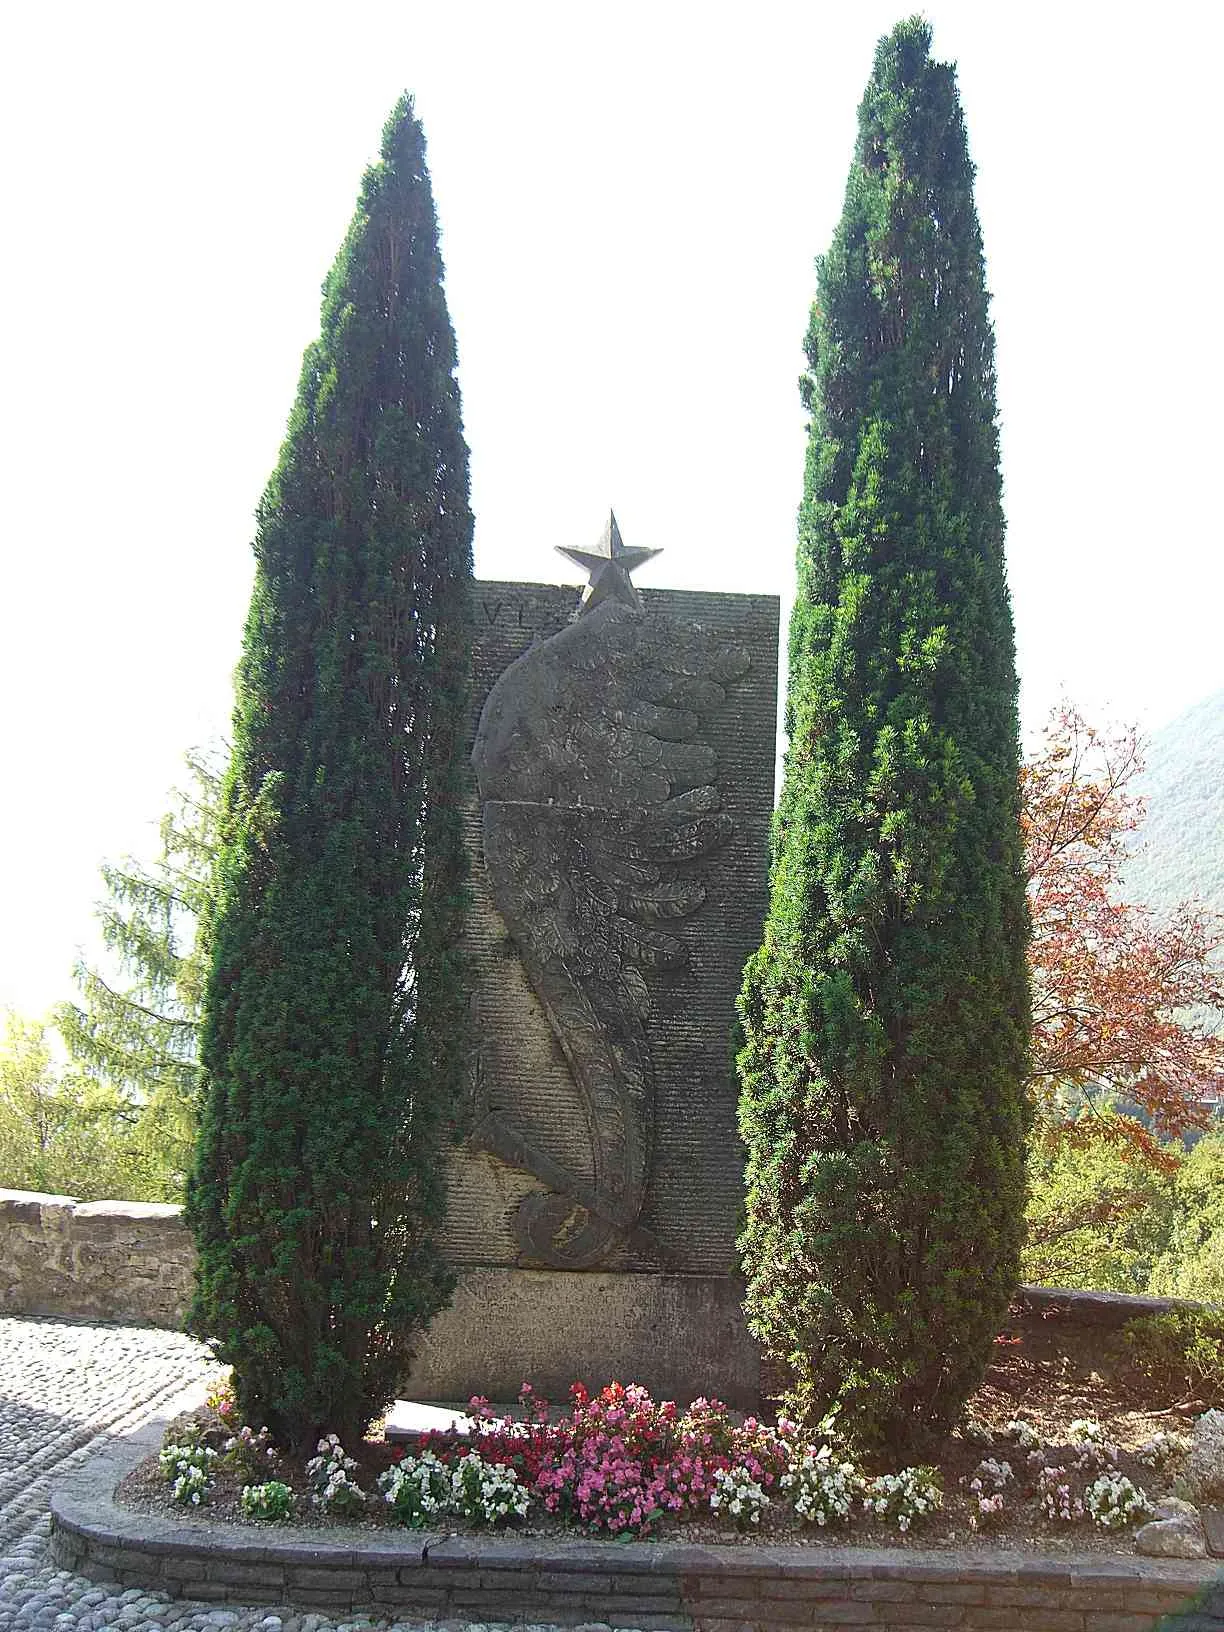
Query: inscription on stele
<point x="624" y="770"/>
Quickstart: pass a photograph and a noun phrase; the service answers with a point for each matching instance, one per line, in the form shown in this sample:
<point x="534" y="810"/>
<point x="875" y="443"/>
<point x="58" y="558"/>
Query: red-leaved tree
<point x="1118" y="991"/>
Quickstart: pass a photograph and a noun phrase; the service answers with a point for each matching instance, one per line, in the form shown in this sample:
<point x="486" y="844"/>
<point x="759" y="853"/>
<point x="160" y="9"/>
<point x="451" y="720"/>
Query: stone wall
<point x="126" y="1261"/>
<point x="132" y="1261"/>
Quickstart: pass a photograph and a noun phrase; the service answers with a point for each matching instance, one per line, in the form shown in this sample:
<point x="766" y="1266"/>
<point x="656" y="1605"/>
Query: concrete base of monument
<point x="679" y="1335"/>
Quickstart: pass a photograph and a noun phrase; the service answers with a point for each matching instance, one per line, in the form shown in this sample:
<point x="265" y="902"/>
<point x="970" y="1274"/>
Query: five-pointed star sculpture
<point x="609" y="565"/>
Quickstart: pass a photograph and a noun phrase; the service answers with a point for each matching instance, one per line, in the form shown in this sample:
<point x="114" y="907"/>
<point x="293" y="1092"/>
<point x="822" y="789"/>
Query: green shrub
<point x="335" y="1014"/>
<point x="1179" y="1353"/>
<point x="272" y="1501"/>
<point x="1098" y="1216"/>
<point x="886" y="1016"/>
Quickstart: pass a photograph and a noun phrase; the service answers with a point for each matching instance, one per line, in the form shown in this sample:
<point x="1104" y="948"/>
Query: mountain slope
<point x="1180" y="847"/>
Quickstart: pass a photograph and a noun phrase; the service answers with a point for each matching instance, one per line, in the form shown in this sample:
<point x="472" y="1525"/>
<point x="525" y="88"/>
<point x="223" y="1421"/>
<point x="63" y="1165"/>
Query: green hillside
<point x="1180" y="847"/>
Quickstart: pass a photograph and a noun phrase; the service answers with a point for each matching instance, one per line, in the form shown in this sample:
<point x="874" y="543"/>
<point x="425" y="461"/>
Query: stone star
<point x="609" y="565"/>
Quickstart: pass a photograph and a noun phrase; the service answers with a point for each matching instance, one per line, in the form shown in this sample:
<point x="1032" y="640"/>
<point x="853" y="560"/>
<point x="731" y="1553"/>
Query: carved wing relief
<point x="599" y="807"/>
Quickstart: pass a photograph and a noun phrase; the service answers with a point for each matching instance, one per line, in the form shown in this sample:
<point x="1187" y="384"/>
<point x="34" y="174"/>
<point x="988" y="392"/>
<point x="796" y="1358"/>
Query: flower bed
<point x="617" y="1463"/>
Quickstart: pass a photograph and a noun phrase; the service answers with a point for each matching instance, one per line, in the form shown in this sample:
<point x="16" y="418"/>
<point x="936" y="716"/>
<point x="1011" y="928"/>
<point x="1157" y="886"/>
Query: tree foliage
<point x="65" y="1134"/>
<point x="334" y="1026"/>
<point x="137" y="1030"/>
<point x="1120" y="994"/>
<point x="1191" y="1262"/>
<point x="1098" y="1217"/>
<point x="885" y="1017"/>
<point x="1102" y="1215"/>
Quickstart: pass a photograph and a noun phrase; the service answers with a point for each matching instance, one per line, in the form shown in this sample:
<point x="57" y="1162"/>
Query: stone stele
<point x="624" y="775"/>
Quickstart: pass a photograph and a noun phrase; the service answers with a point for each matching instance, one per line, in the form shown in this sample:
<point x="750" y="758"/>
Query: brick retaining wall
<point x="715" y="1589"/>
<point x="657" y="1587"/>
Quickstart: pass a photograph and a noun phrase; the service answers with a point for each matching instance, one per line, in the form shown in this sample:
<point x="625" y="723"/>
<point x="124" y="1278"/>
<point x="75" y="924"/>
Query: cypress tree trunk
<point x="334" y="1020"/>
<point x="885" y="1018"/>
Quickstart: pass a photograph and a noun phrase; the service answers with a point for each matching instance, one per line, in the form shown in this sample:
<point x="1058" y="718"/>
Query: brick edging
<point x="659" y="1586"/>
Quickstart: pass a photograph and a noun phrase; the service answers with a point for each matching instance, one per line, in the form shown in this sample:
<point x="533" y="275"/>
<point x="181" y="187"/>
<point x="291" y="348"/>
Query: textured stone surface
<point x="680" y="1335"/>
<point x="1171" y="1538"/>
<point x="1213" y="1525"/>
<point x="602" y="796"/>
<point x="693" y="1178"/>
<point x="1108" y="1310"/>
<point x="619" y="832"/>
<point x="102" y="1260"/>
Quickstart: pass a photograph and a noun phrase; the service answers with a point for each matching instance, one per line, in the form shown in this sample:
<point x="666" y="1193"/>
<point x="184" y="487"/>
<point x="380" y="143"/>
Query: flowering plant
<point x="1086" y="1431"/>
<point x="737" y="1494"/>
<point x="618" y="1460"/>
<point x="331" y="1477"/>
<point x="607" y="1464"/>
<point x="986" y="1509"/>
<point x="1093" y="1449"/>
<point x="521" y="1445"/>
<point x="271" y="1501"/>
<point x="905" y="1496"/>
<point x="193" y="1486"/>
<point x="220" y="1398"/>
<point x="986" y="1487"/>
<point x="992" y="1475"/>
<point x="822" y="1489"/>
<point x="1162" y="1449"/>
<point x="1023" y="1435"/>
<point x="417" y="1489"/>
<point x="1114" y="1502"/>
<point x="1056" y="1498"/>
<point x="249" y="1453"/>
<point x="187" y="1468"/>
<point x="486" y="1492"/>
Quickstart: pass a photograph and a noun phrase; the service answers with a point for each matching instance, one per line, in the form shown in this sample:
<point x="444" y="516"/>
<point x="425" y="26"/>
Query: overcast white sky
<point x="631" y="200"/>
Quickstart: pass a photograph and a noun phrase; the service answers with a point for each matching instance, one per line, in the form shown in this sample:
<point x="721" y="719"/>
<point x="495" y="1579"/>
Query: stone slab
<point x="680" y="1335"/>
<point x="694" y="1196"/>
<point x="409" y="1420"/>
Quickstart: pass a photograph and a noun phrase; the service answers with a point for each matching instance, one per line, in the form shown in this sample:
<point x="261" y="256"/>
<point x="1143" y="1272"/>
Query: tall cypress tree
<point x="885" y="1017"/>
<point x="334" y="1016"/>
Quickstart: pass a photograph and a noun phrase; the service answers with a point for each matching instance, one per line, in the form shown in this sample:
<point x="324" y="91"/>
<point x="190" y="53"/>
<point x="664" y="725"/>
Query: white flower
<point x="1114" y="1502"/>
<point x="1095" y="1450"/>
<point x="485" y="1492"/>
<point x="906" y="1496"/>
<point x="1024" y="1435"/>
<point x="824" y="1489"/>
<point x="330" y="1474"/>
<point x="1162" y="1449"/>
<point x="736" y="1490"/>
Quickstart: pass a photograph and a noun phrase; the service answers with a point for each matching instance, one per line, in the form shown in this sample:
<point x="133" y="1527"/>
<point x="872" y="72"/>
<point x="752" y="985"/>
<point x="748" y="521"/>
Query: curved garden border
<point x="660" y="1585"/>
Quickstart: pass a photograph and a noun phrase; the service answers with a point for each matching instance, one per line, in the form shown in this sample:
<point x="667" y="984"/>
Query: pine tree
<point x="334" y="1022"/>
<point x="136" y="1029"/>
<point x="885" y="1017"/>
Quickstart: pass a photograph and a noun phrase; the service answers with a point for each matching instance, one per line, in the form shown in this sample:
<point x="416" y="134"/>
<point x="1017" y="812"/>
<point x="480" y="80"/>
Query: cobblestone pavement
<point x="66" y="1389"/>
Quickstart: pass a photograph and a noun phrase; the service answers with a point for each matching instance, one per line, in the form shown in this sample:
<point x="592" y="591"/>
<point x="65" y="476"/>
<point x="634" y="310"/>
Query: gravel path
<point x="66" y="1389"/>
